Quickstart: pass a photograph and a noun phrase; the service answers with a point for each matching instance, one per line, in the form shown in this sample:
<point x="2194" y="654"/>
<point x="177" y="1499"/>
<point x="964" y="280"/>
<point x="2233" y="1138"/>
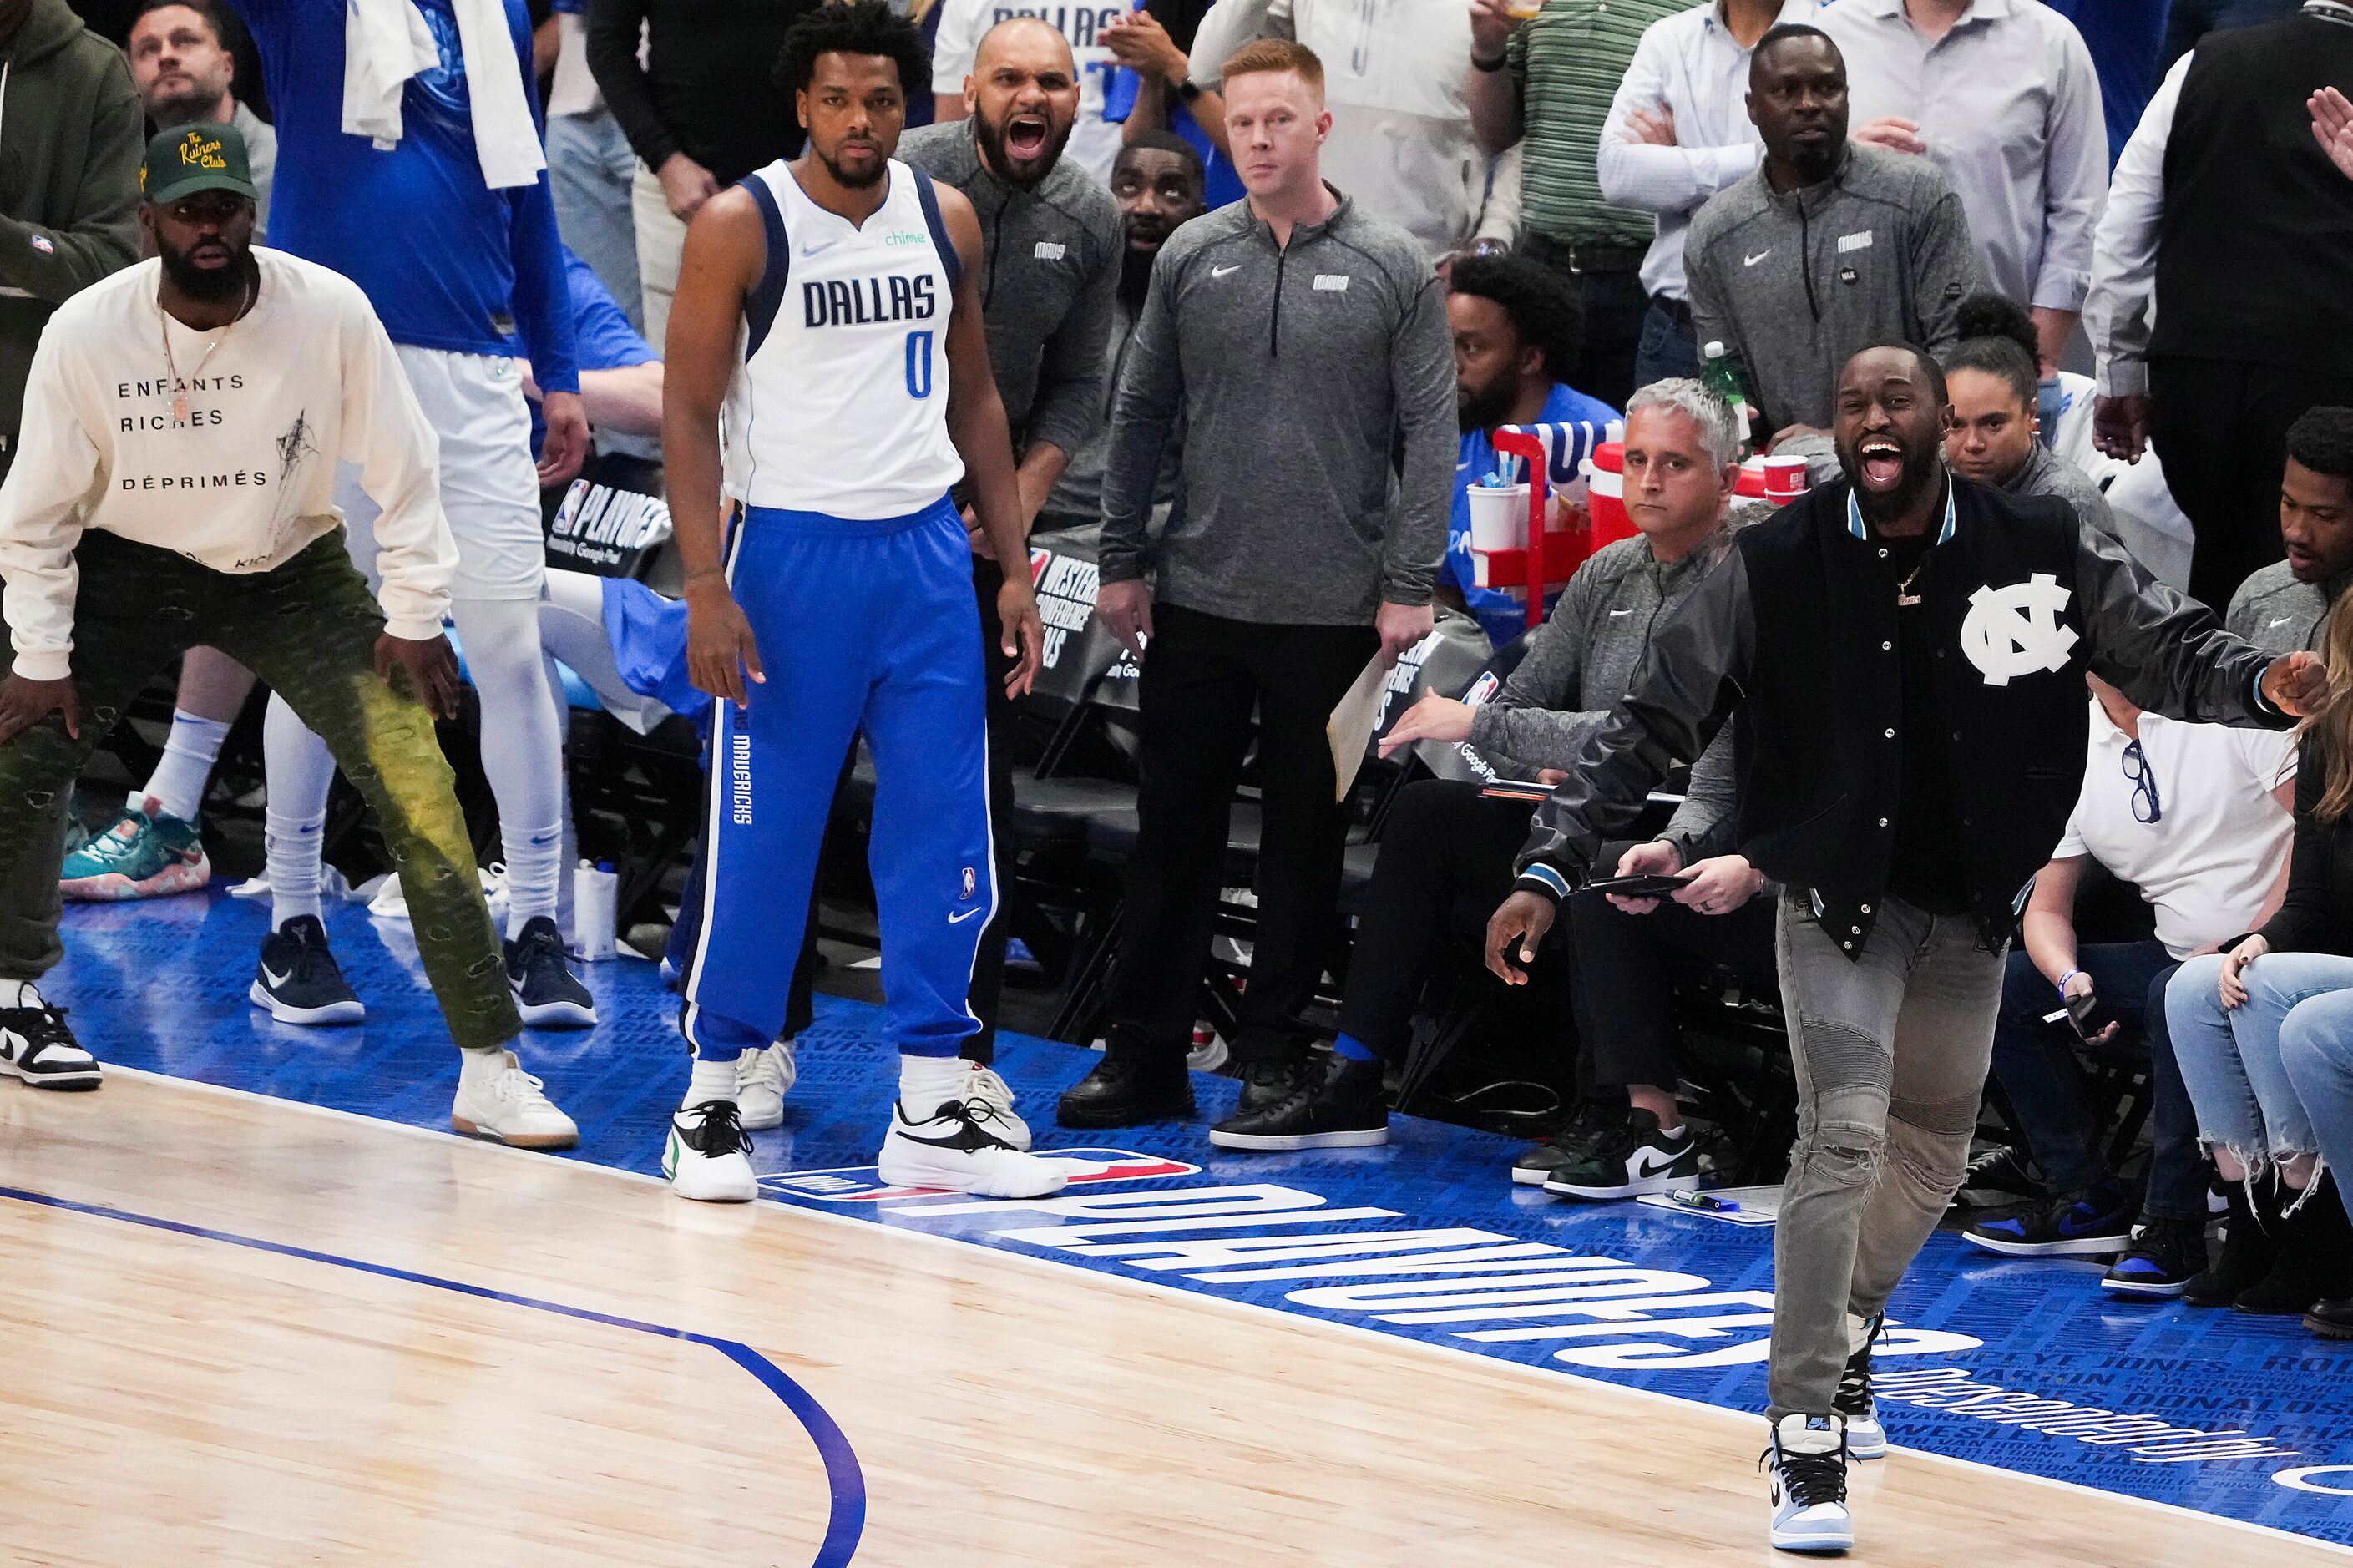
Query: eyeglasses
<point x="2145" y="806"/>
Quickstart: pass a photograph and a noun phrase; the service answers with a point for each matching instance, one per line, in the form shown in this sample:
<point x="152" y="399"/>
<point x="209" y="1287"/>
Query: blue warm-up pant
<point x="860" y="626"/>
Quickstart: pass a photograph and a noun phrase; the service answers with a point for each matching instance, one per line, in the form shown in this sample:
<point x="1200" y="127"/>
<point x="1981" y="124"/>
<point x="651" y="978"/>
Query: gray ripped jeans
<point x="1891" y="1051"/>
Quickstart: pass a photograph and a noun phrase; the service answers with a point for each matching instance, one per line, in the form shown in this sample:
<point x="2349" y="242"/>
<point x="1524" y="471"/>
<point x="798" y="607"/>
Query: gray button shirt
<point x="2008" y="105"/>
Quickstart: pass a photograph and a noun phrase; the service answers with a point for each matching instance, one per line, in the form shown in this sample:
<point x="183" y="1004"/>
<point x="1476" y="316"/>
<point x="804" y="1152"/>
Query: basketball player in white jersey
<point x="828" y="315"/>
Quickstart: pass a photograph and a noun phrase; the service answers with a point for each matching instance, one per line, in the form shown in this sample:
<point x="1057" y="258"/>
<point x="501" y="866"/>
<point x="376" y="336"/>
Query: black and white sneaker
<point x="37" y="1046"/>
<point x="1534" y="1165"/>
<point x="298" y="980"/>
<point x="2165" y="1256"/>
<point x="955" y="1148"/>
<point x="1865" y="1438"/>
<point x="1633" y="1159"/>
<point x="1345" y="1109"/>
<point x="1807" y="1464"/>
<point x="546" y="992"/>
<point x="707" y="1157"/>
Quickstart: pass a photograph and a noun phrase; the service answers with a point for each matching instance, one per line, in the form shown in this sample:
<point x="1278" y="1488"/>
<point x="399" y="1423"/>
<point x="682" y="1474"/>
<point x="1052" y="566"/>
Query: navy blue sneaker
<point x="2094" y="1223"/>
<point x="2164" y="1256"/>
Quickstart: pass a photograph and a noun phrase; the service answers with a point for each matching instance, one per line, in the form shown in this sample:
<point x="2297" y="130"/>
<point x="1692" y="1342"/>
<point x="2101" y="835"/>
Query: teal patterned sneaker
<point x="145" y="855"/>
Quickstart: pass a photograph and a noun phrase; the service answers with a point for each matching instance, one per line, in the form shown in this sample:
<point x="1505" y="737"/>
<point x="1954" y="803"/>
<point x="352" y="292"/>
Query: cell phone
<point x="1516" y="789"/>
<point x="2090" y="1015"/>
<point x="1646" y="885"/>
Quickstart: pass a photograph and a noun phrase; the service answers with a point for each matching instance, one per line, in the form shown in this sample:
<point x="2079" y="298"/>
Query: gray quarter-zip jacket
<point x="1049" y="287"/>
<point x="1316" y="387"/>
<point x="1797" y="283"/>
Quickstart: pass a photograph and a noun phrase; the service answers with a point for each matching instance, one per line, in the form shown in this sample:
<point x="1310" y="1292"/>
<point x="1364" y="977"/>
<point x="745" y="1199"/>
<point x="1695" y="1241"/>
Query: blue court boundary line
<point x="846" y="1521"/>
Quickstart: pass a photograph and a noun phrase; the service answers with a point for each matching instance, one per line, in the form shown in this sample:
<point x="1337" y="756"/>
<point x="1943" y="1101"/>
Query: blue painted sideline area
<point x="845" y="1483"/>
<point x="2022" y="1364"/>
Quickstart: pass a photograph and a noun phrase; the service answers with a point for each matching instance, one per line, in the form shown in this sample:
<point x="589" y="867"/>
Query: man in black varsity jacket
<point x="1905" y="652"/>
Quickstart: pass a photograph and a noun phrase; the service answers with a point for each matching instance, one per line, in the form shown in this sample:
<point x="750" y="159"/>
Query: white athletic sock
<point x="178" y="786"/>
<point x="926" y="1083"/>
<point x="523" y="746"/>
<point x="476" y="1068"/>
<point x="711" y="1081"/>
<point x="300" y="771"/>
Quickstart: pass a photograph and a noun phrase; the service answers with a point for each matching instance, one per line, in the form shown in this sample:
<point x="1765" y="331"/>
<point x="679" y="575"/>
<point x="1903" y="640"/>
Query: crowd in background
<point x="2131" y="266"/>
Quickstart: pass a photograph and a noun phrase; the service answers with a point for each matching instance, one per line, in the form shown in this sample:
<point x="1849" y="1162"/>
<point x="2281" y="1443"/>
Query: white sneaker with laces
<point x="1807" y="1464"/>
<point x="762" y="1079"/>
<point x="991" y="1099"/>
<point x="707" y="1158"/>
<point x="955" y="1148"/>
<point x="506" y="1106"/>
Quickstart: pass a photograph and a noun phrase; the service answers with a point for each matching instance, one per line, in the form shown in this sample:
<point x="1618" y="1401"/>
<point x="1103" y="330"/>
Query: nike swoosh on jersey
<point x="1753" y="260"/>
<point x="819" y="247"/>
<point x="1221" y="272"/>
<point x="2282" y="621"/>
<point x="959" y="920"/>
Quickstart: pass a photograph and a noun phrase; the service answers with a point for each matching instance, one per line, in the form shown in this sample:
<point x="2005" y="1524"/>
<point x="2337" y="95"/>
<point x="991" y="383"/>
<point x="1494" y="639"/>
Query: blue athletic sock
<point x="1347" y="1048"/>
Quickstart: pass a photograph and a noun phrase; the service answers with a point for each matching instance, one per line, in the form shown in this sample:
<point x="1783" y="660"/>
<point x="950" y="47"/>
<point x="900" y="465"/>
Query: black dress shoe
<point x="2331" y="1319"/>
<point x="1124" y="1092"/>
<point x="2250" y="1247"/>
<point x="1346" y="1109"/>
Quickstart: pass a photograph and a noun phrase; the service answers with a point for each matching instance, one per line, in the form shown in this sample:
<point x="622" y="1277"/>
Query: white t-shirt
<point x="248" y="479"/>
<point x="1095" y="142"/>
<point x="2209" y="861"/>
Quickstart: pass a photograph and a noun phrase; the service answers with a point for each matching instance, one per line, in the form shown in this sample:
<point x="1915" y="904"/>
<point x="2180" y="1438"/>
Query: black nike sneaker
<point x="1634" y="1158"/>
<point x="1345" y="1109"/>
<point x="547" y="993"/>
<point x="297" y="979"/>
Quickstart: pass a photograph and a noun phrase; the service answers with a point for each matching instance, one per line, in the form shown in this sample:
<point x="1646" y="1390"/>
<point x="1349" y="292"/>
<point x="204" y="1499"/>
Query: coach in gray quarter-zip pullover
<point x="1827" y="249"/>
<point x="1316" y="385"/>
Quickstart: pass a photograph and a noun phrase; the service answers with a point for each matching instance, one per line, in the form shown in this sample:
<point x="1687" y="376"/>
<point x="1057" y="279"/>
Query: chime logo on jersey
<point x="864" y="301"/>
<point x="864" y="1184"/>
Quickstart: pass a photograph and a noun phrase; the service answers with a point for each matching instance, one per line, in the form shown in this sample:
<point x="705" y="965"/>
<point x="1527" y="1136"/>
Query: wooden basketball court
<point x="271" y="1335"/>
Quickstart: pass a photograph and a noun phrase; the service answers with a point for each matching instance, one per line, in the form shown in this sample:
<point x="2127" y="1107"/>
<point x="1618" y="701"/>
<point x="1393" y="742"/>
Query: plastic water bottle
<point x="1722" y="377"/>
<point x="596" y="907"/>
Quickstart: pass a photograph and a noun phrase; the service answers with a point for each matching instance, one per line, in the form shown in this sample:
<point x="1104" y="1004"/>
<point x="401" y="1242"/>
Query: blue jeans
<point x="2317" y="1051"/>
<point x="2230" y="1059"/>
<point x="589" y="166"/>
<point x="2043" y="1086"/>
<point x="1668" y="347"/>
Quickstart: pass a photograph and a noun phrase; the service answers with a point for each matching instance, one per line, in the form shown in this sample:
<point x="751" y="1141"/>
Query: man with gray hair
<point x="1446" y="852"/>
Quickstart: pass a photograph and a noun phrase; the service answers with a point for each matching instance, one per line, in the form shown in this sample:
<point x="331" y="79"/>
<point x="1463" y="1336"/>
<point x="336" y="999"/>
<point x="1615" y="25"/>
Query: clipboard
<point x="1353" y="719"/>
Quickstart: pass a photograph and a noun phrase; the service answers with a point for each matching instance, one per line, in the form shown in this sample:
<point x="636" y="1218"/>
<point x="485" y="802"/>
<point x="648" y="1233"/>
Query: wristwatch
<point x="1188" y="91"/>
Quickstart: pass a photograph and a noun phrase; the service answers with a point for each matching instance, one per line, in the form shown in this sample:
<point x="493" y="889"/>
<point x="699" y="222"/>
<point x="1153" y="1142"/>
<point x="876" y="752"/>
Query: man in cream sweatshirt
<point x="175" y="485"/>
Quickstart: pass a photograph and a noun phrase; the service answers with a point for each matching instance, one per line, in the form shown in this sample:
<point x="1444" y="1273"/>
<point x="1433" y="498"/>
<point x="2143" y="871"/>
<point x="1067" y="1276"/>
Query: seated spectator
<point x="1993" y="438"/>
<point x="1446" y="852"/>
<point x="1829" y="249"/>
<point x="1516" y="333"/>
<point x="2196" y="817"/>
<point x="2282" y="607"/>
<point x="1624" y="953"/>
<point x="186" y="73"/>
<point x="1157" y="181"/>
<point x="2237" y="1015"/>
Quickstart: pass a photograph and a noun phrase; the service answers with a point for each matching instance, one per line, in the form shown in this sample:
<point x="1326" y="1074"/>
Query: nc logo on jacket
<point x="2016" y="630"/>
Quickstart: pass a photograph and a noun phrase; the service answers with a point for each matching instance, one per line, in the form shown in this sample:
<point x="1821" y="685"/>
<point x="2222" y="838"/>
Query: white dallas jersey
<point x="841" y="403"/>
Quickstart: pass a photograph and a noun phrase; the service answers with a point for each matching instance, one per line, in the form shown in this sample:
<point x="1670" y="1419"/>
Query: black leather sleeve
<point x="2169" y="653"/>
<point x="1691" y="677"/>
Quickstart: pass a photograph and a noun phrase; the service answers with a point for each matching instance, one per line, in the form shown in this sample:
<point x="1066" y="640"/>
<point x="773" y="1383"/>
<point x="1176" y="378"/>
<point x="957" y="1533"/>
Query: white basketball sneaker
<point x="505" y="1105"/>
<point x="707" y="1157"/>
<point x="1807" y="1464"/>
<point x="955" y="1148"/>
<point x="762" y="1079"/>
<point x="991" y="1099"/>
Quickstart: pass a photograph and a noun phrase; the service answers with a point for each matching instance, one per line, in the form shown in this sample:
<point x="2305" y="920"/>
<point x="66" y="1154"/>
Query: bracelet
<point x="1490" y="67"/>
<point x="2066" y="977"/>
<point x="691" y="578"/>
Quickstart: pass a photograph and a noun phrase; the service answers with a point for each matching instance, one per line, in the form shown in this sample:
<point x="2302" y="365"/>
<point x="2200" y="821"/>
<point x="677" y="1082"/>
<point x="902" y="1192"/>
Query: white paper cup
<point x="1499" y="517"/>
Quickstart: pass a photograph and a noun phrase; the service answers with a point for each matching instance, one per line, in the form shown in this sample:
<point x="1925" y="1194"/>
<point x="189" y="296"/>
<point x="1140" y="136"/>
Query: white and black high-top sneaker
<point x="708" y="1157"/>
<point x="955" y="1147"/>
<point x="547" y="993"/>
<point x="37" y="1046"/>
<point x="1807" y="1465"/>
<point x="298" y="981"/>
<point x="1865" y="1438"/>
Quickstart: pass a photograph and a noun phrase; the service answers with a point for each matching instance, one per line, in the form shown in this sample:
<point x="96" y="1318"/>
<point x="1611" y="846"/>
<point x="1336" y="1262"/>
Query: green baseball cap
<point x="210" y="156"/>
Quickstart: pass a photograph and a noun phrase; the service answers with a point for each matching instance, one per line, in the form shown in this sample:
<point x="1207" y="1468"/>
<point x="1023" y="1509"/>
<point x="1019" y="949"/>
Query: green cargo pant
<point x="308" y="631"/>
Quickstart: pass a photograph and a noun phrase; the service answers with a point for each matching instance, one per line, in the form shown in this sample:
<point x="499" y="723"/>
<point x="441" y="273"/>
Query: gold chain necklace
<point x="164" y="325"/>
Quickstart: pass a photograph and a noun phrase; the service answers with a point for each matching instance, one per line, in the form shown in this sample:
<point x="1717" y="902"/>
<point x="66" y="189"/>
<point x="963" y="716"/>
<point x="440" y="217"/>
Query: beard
<point x="875" y="176"/>
<point x="999" y="158"/>
<point x="1485" y="407"/>
<point x="191" y="107"/>
<point x="209" y="284"/>
<point x="1136" y="276"/>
